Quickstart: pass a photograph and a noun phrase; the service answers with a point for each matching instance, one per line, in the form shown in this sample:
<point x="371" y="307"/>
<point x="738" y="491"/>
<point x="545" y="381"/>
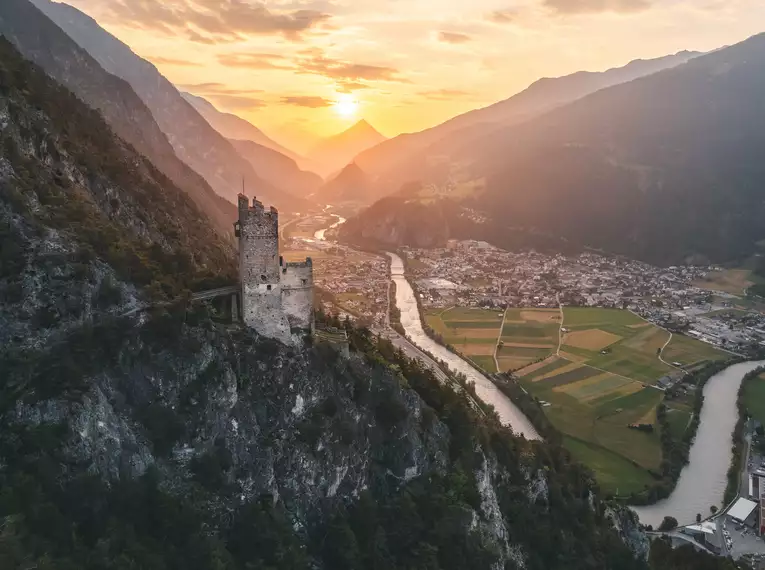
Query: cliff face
<point x="138" y="430"/>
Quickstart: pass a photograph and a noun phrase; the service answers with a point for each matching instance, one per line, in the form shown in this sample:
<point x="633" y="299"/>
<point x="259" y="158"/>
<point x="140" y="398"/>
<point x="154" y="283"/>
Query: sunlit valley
<point x="373" y="285"/>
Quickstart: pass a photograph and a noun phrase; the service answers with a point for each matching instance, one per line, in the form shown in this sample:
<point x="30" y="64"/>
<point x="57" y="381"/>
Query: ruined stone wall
<point x="263" y="311"/>
<point x="297" y="294"/>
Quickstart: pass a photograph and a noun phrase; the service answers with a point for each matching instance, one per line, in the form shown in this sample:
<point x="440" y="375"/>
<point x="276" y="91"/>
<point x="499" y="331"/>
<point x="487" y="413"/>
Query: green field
<point x="689" y="352"/>
<point x="615" y="474"/>
<point x="754" y="398"/>
<point x="602" y="382"/>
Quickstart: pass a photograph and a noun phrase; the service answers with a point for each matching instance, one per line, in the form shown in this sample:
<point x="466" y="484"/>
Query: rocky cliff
<point x="139" y="430"/>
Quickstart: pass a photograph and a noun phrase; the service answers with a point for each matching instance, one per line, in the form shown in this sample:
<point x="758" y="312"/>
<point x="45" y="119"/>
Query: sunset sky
<point x="300" y="66"/>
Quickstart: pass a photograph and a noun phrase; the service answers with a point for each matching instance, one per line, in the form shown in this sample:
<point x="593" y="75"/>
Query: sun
<point x="346" y="106"/>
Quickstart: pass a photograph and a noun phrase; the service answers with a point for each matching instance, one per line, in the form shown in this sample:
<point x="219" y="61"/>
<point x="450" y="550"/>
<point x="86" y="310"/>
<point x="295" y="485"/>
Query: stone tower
<point x="297" y="295"/>
<point x="259" y="269"/>
<point x="277" y="297"/>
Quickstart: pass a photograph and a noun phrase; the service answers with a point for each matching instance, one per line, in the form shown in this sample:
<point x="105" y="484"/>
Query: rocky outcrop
<point x="139" y="427"/>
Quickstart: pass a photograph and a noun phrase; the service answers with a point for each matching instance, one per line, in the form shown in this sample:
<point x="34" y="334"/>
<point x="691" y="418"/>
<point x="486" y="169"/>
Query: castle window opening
<point x="268" y="287"/>
<point x="262" y="277"/>
<point x="305" y="281"/>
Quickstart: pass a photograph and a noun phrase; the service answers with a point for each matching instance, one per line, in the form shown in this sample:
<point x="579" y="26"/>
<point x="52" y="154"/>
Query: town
<point x="471" y="273"/>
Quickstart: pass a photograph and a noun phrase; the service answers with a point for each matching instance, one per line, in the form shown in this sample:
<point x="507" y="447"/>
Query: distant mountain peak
<point x="334" y="153"/>
<point x="364" y="124"/>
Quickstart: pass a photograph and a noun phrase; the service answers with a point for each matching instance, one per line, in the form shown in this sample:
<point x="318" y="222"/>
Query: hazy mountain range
<point x="235" y="128"/>
<point x="430" y="154"/>
<point x="195" y="142"/>
<point x="664" y="168"/>
<point x="351" y="184"/>
<point x="333" y="153"/>
<point x="41" y="41"/>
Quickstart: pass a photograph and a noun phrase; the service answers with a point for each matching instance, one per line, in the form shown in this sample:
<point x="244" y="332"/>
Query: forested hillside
<point x="665" y="168"/>
<point x="41" y="41"/>
<point x="139" y="430"/>
<point x="165" y="439"/>
<point x="194" y="141"/>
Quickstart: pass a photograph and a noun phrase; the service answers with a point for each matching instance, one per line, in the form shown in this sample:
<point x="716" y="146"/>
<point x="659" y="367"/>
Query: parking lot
<point x="740" y="541"/>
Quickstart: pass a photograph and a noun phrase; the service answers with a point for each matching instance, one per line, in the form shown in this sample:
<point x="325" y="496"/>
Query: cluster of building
<point x="472" y="273"/>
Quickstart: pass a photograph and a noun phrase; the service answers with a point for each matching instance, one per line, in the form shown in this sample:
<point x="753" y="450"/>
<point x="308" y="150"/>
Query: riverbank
<point x="509" y="414"/>
<point x="703" y="480"/>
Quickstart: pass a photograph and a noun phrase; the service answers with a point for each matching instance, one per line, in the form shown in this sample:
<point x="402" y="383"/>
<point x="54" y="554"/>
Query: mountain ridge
<point x="42" y="41"/>
<point x="234" y="127"/>
<point x="400" y="159"/>
<point x="194" y="140"/>
<point x="333" y="153"/>
<point x="663" y="168"/>
<point x="278" y="169"/>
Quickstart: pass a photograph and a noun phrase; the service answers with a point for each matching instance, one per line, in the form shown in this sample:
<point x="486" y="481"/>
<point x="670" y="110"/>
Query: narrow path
<point x="560" y="330"/>
<point x="499" y="339"/>
<point x="660" y="355"/>
<point x="661" y="351"/>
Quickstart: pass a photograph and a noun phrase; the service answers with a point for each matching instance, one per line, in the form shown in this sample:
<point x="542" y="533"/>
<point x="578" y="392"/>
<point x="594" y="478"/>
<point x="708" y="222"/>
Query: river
<point x="509" y="414"/>
<point x="320" y="234"/>
<point x="702" y="482"/>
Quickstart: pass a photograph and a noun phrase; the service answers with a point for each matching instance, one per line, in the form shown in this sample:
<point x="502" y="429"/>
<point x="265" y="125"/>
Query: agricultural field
<point x="602" y="382"/>
<point x="528" y="336"/>
<point x="689" y="352"/>
<point x="472" y="332"/>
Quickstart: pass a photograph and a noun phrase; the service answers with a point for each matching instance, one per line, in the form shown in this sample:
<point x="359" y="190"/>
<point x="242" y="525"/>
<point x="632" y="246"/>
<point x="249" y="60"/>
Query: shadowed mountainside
<point x="278" y="169"/>
<point x="664" y="168"/>
<point x="428" y="154"/>
<point x="44" y="43"/>
<point x="234" y="127"/>
<point x="195" y="142"/>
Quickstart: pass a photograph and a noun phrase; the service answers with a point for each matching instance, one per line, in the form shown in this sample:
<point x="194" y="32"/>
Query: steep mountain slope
<point x="165" y="438"/>
<point x="41" y="41"/>
<point x="351" y="185"/>
<point x="334" y="153"/>
<point x="194" y="140"/>
<point x="665" y="168"/>
<point x="662" y="168"/>
<point x="278" y="169"/>
<point x="234" y="127"/>
<point x="401" y="158"/>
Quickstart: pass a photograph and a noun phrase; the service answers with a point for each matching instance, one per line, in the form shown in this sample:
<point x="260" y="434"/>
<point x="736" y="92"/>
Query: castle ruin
<point x="277" y="297"/>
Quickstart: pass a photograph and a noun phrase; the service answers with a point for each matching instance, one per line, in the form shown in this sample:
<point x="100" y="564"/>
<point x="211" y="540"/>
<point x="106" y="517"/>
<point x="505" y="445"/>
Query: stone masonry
<point x="277" y="297"/>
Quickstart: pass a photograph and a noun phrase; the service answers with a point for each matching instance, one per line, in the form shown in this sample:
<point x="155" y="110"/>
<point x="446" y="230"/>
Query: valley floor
<point x="599" y="374"/>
